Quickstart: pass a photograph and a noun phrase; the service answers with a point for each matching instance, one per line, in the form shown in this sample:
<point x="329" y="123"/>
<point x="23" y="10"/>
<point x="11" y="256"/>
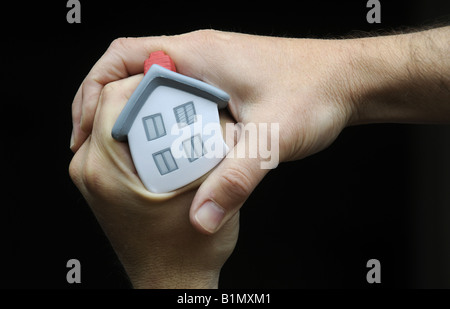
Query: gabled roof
<point x="159" y="76"/>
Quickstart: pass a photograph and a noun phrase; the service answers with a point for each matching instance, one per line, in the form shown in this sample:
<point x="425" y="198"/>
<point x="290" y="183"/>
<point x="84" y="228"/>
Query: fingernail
<point x="72" y="140"/>
<point x="209" y="216"/>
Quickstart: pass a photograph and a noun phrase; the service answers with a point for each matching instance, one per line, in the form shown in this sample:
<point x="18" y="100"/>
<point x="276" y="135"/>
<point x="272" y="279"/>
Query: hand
<point x="151" y="233"/>
<point x="311" y="88"/>
<point x="266" y="79"/>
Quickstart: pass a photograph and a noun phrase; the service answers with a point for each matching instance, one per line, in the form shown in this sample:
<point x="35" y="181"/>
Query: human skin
<point x="151" y="233"/>
<point x="311" y="88"/>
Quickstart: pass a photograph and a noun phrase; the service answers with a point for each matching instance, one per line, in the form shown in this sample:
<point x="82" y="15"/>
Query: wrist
<point x="153" y="263"/>
<point x="174" y="278"/>
<point x="374" y="69"/>
<point x="158" y="268"/>
<point x="156" y="258"/>
<point x="398" y="78"/>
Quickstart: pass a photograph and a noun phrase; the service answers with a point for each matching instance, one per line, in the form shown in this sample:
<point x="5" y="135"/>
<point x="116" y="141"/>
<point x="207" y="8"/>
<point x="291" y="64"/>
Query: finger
<point x="76" y="166"/>
<point x="78" y="136"/>
<point x="112" y="100"/>
<point x="111" y="159"/>
<point x="124" y="57"/>
<point x="224" y="192"/>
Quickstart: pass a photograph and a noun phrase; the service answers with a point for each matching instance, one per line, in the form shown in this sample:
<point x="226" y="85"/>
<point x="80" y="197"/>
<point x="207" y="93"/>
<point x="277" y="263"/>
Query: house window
<point x="154" y="126"/>
<point x="185" y="114"/>
<point x="193" y="147"/>
<point x="165" y="161"/>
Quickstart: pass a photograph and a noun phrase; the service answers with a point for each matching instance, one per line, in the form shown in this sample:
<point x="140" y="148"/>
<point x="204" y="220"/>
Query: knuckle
<point x="91" y="176"/>
<point x="85" y="172"/>
<point x="109" y="91"/>
<point x="87" y="87"/>
<point x="89" y="98"/>
<point x="237" y="183"/>
<point x="118" y="44"/>
<point x="203" y="37"/>
<point x="205" y="32"/>
<point x="74" y="170"/>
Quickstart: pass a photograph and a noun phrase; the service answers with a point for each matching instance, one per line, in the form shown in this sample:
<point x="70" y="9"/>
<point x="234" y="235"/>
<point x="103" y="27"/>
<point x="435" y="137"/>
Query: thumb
<point x="225" y="190"/>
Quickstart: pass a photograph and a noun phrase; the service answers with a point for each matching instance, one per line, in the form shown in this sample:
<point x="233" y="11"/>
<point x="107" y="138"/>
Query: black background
<point x="380" y="191"/>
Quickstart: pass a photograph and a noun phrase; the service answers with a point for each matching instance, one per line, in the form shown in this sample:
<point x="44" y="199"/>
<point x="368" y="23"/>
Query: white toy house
<point x="172" y="125"/>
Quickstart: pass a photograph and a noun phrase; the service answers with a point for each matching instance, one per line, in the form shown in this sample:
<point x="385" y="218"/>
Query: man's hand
<point x="311" y="88"/>
<point x="151" y="233"/>
<point x="269" y="80"/>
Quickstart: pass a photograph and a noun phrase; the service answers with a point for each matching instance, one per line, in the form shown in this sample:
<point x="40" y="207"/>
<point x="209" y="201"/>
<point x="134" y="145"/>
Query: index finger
<point x="123" y="58"/>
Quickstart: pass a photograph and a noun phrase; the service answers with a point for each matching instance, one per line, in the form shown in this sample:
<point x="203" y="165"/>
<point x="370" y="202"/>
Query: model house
<point x="171" y="122"/>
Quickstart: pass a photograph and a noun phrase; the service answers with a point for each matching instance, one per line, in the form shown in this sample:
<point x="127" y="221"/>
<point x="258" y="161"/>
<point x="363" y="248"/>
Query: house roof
<point x="159" y="76"/>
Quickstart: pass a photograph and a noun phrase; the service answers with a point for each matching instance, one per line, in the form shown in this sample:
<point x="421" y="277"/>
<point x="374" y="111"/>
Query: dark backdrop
<point x="380" y="191"/>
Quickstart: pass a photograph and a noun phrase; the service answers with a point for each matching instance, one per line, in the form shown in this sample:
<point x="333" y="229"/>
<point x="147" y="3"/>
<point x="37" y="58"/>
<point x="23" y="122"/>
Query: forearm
<point x="400" y="78"/>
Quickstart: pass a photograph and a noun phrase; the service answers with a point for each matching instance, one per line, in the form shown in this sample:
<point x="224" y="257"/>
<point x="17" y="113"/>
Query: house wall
<point x="163" y="100"/>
